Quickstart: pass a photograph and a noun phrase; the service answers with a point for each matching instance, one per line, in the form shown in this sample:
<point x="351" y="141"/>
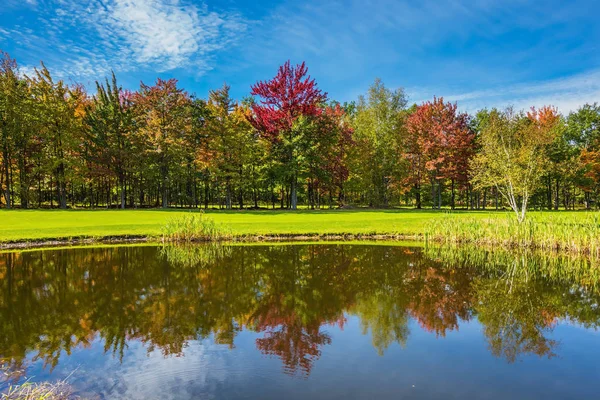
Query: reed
<point x="551" y="232"/>
<point x="194" y="227"/>
<point x="28" y="390"/>
<point x="38" y="391"/>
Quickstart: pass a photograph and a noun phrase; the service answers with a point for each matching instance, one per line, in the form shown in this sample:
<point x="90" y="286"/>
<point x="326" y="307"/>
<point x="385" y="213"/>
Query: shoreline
<point x="132" y="239"/>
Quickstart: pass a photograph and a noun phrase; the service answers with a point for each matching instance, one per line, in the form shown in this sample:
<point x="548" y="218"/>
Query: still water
<point x="299" y="321"/>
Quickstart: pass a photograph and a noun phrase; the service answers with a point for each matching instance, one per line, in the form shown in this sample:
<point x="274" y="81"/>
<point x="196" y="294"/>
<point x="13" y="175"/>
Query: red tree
<point x="442" y="137"/>
<point x="335" y="140"/>
<point x="283" y="101"/>
<point x="284" y="98"/>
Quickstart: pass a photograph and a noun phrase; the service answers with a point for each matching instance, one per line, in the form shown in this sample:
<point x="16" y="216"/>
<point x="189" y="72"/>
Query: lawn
<point x="23" y="225"/>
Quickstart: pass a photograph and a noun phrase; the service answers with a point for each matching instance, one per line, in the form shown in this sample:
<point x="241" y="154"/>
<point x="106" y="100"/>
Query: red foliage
<point x="442" y="135"/>
<point x="290" y="94"/>
<point x="332" y="119"/>
<point x="546" y="116"/>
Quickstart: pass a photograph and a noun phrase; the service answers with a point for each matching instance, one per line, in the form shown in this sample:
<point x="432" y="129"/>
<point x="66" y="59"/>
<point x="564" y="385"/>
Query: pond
<point x="299" y="321"/>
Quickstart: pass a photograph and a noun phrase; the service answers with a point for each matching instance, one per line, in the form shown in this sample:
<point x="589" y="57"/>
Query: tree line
<point x="287" y="144"/>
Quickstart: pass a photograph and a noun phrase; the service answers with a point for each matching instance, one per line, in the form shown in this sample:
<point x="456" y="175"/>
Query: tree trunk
<point x="228" y="194"/>
<point x="61" y="186"/>
<point x="497" y="199"/>
<point x="549" y="193"/>
<point x="294" y="194"/>
<point x="452" y="201"/>
<point x="556" y="195"/>
<point x="122" y="185"/>
<point x="164" y="170"/>
<point x="206" y="193"/>
<point x="439" y="195"/>
<point x="418" y="196"/>
<point x="7" y="174"/>
<point x="23" y="183"/>
<point x="432" y="194"/>
<point x="485" y="198"/>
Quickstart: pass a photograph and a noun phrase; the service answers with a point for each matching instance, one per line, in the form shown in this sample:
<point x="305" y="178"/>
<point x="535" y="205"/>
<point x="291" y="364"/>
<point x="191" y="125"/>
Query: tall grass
<point x="29" y="390"/>
<point x="39" y="391"/>
<point x="541" y="231"/>
<point x="194" y="227"/>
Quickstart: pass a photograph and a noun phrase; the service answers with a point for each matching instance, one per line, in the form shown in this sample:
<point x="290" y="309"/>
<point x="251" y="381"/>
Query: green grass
<point x="577" y="234"/>
<point x="25" y="225"/>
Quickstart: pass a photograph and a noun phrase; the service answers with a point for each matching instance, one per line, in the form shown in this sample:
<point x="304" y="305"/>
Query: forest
<point x="286" y="145"/>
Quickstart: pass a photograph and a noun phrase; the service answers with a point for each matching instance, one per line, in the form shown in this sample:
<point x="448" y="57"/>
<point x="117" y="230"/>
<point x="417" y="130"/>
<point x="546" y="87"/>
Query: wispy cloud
<point x="449" y="45"/>
<point x="167" y="34"/>
<point x="567" y="93"/>
<point x="87" y="39"/>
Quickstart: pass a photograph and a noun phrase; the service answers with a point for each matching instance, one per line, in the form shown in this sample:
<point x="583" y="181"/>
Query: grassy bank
<point x="20" y="225"/>
<point x="28" y="225"/>
<point x="554" y="232"/>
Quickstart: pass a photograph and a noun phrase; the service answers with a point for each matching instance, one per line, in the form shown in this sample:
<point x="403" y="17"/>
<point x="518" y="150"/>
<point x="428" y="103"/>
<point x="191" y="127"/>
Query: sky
<point x="479" y="53"/>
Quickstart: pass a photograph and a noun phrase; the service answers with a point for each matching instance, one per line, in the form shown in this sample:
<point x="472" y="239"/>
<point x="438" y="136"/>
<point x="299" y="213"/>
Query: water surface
<point x="299" y="321"/>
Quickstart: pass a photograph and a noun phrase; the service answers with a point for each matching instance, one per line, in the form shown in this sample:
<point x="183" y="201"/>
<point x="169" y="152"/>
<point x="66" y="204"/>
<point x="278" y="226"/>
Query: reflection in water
<point x="55" y="301"/>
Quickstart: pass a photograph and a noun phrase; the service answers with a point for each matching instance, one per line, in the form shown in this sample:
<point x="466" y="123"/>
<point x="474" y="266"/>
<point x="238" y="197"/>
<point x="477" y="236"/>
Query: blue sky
<point x="479" y="53"/>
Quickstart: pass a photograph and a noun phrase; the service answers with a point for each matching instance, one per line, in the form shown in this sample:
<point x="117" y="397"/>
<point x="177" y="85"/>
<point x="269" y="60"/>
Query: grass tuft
<point x="39" y="391"/>
<point x="194" y="227"/>
<point x="28" y="390"/>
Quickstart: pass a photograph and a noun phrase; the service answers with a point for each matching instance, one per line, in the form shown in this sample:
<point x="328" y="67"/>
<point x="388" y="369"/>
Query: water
<point x="295" y="322"/>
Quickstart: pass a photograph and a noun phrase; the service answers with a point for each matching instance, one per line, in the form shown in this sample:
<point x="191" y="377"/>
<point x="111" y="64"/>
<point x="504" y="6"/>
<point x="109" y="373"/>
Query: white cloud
<point x="27" y="70"/>
<point x="87" y="39"/>
<point x="445" y="44"/>
<point x="567" y="93"/>
<point x="167" y="34"/>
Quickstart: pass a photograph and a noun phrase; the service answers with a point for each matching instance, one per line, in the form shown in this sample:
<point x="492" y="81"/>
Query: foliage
<point x="161" y="112"/>
<point x="440" y="145"/>
<point x="286" y="145"/>
<point x="376" y="163"/>
<point x="513" y="154"/>
<point x="289" y="107"/>
<point x="109" y="118"/>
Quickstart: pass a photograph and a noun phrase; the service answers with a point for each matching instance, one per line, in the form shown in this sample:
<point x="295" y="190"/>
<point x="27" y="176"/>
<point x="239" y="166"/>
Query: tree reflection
<point x="55" y="301"/>
<point x="517" y="318"/>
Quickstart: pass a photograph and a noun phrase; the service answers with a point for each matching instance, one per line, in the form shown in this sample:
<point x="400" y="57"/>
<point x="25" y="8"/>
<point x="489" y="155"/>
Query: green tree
<point x="163" y="116"/>
<point x="58" y="119"/>
<point x="110" y="121"/>
<point x="583" y="130"/>
<point x="379" y="130"/>
<point x="231" y="143"/>
<point x="10" y="119"/>
<point x="513" y="156"/>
